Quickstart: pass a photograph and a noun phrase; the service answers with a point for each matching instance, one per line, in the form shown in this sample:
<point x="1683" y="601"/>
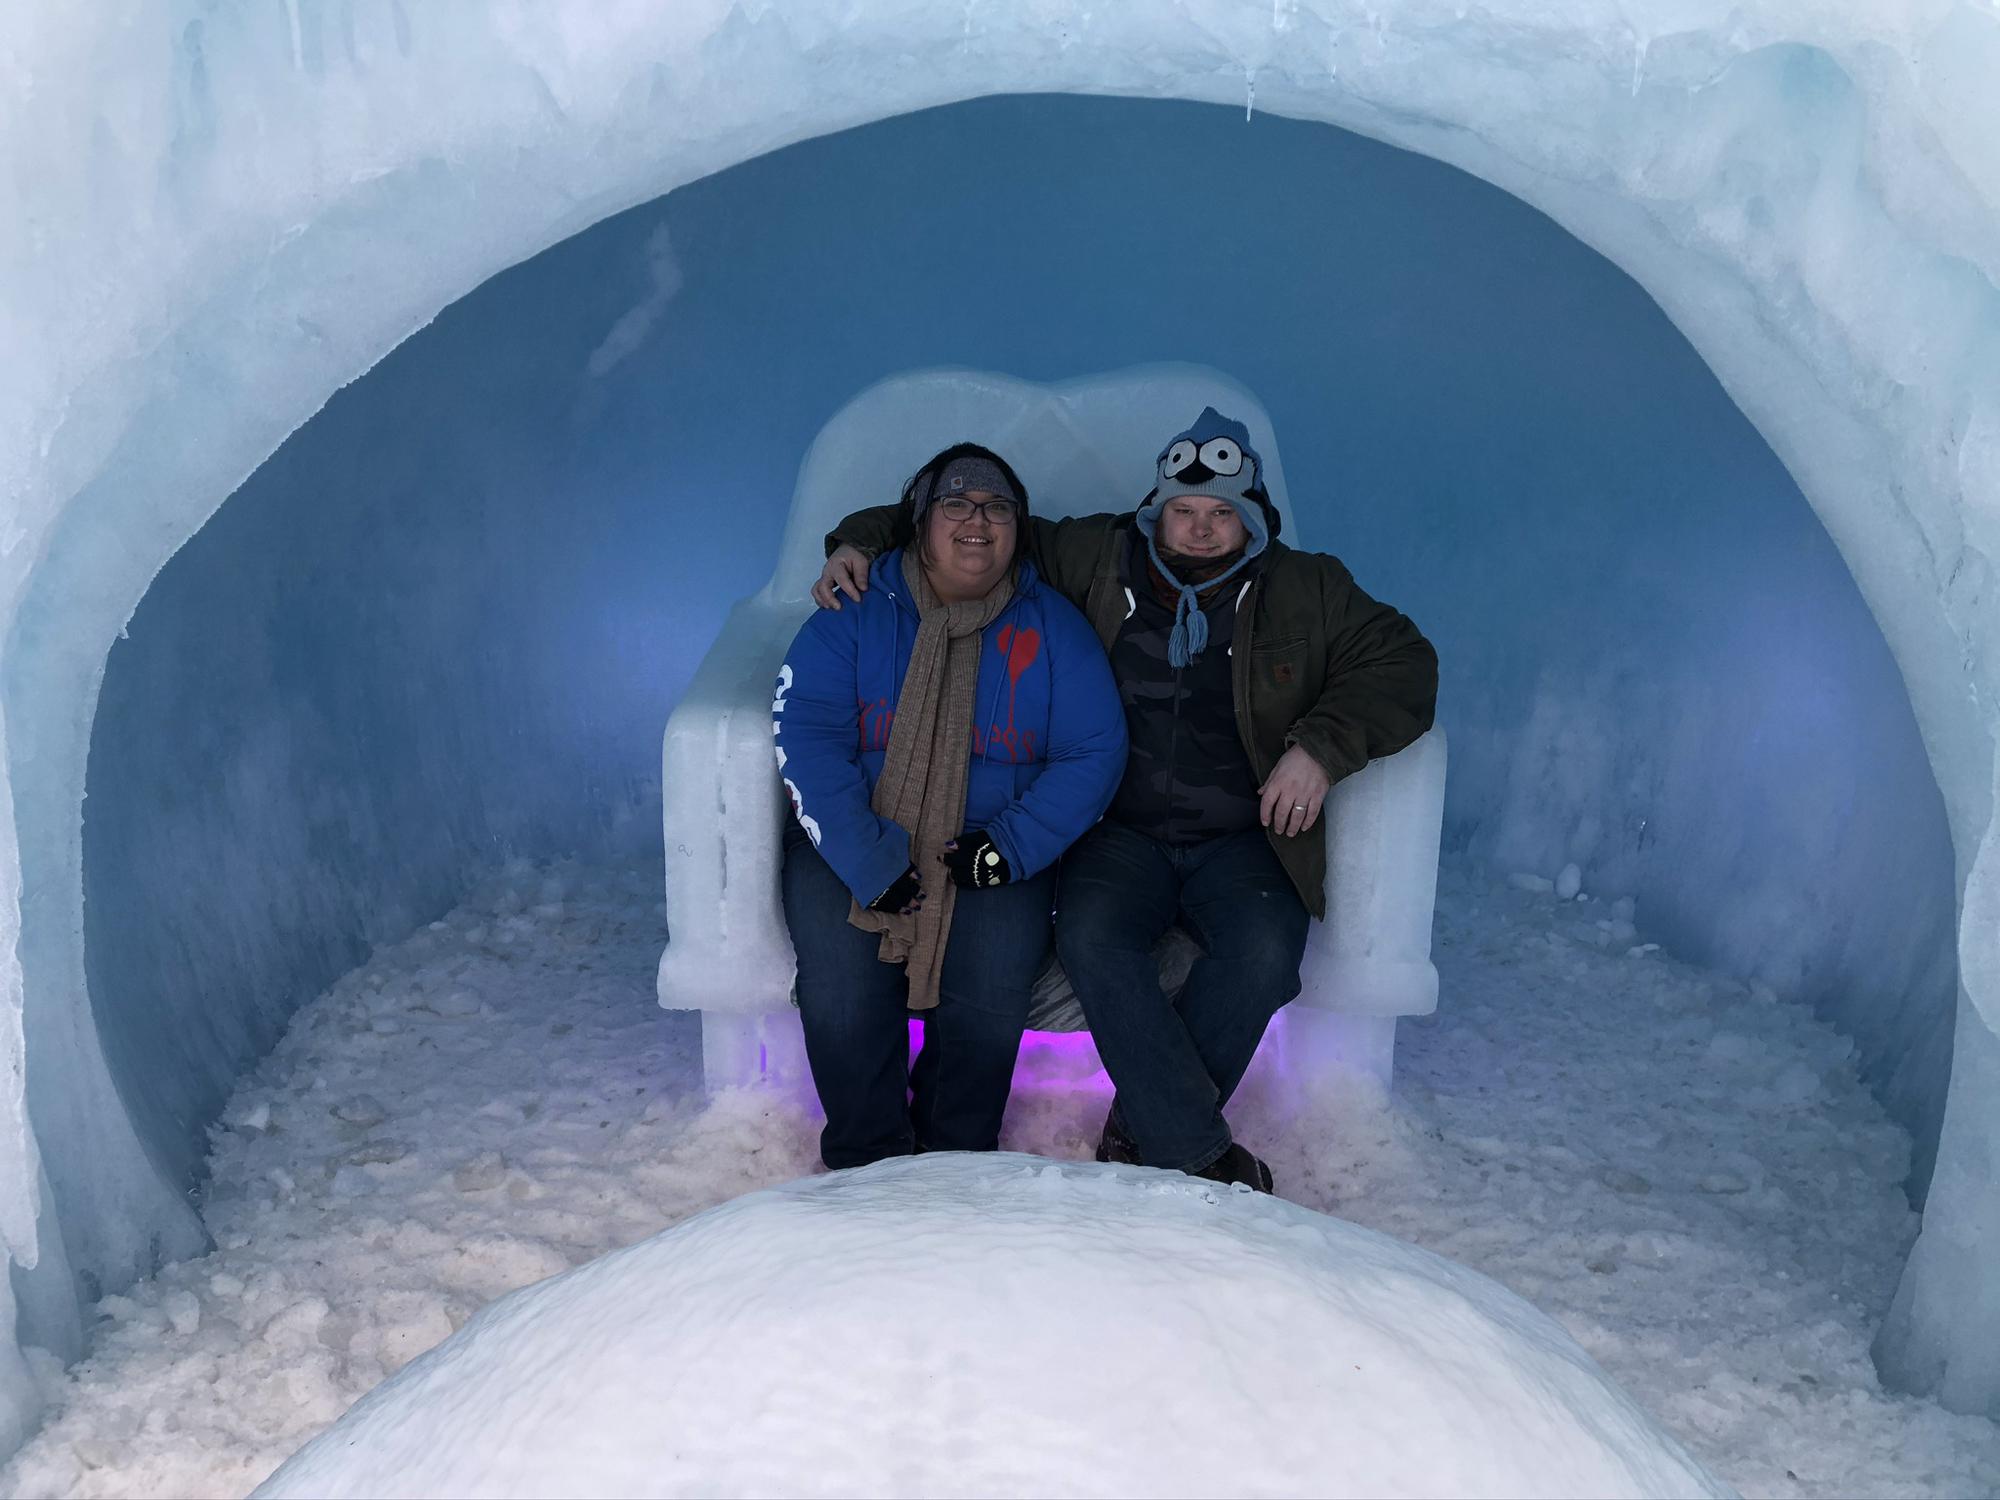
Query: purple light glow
<point x="1068" y="1045"/>
<point x="1068" y="1057"/>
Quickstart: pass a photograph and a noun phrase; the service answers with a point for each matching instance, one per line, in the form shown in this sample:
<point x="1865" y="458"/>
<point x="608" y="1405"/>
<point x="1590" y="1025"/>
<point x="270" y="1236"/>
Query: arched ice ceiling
<point x="218" y="215"/>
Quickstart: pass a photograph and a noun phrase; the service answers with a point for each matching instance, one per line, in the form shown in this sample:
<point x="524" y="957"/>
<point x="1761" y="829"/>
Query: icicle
<point x="1250" y="93"/>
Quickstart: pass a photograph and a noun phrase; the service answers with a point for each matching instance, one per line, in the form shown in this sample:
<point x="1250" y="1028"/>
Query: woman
<point x="943" y="740"/>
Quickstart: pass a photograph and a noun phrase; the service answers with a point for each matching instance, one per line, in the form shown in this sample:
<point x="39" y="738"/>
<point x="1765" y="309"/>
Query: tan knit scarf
<point x="922" y="788"/>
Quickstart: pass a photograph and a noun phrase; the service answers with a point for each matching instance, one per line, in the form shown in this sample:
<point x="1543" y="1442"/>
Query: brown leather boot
<point x="1114" y="1145"/>
<point x="1237" y="1165"/>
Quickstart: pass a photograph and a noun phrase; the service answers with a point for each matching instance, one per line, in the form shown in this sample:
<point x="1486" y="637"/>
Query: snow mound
<point x="1003" y="1324"/>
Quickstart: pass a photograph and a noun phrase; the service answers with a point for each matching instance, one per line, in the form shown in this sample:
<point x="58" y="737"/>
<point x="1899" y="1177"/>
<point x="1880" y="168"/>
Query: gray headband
<point x="971" y="472"/>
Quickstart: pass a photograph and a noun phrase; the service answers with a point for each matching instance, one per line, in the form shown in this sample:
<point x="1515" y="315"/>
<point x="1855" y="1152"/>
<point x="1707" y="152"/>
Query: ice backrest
<point x="1080" y="447"/>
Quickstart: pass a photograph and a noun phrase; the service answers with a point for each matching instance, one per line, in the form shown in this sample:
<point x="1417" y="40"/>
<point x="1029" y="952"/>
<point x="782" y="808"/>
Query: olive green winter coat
<point x="1316" y="662"/>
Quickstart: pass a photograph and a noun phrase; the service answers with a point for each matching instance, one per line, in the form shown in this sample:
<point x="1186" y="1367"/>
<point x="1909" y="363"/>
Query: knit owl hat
<point x="1212" y="458"/>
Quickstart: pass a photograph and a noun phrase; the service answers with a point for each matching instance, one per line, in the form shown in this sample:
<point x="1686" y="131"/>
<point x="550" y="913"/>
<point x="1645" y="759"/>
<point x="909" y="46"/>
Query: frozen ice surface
<point x="1004" y="1325"/>
<point x="1614" y="1142"/>
<point x="225" y="214"/>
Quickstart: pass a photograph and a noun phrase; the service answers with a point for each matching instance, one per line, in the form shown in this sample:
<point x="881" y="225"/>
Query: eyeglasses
<point x="996" y="512"/>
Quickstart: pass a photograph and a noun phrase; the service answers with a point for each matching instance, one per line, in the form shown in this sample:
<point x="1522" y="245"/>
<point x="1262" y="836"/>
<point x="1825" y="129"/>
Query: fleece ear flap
<point x="1146" y="514"/>
<point x="1272" y="520"/>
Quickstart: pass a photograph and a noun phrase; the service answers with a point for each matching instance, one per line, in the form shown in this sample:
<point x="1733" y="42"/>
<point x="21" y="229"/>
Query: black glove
<point x="902" y="898"/>
<point x="974" y="862"/>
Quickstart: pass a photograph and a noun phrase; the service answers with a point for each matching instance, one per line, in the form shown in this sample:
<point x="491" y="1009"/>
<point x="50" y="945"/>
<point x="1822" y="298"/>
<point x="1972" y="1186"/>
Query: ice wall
<point x="221" y="216"/>
<point x="382" y="666"/>
<point x="446" y="621"/>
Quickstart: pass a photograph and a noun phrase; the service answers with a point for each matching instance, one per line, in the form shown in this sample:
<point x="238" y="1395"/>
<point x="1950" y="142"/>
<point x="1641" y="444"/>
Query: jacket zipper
<point x="1174" y="759"/>
<point x="1246" y="610"/>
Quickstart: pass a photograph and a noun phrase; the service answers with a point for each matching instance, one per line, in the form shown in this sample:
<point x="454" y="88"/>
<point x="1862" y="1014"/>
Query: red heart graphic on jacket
<point x="1020" y="647"/>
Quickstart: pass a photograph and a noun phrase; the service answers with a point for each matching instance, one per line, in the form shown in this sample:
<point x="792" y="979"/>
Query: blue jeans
<point x="856" y="1014"/>
<point x="1175" y="1063"/>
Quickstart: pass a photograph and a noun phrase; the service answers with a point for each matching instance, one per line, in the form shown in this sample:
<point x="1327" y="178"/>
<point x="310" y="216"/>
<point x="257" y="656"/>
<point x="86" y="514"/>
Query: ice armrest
<point x="723" y="809"/>
<point x="1372" y="954"/>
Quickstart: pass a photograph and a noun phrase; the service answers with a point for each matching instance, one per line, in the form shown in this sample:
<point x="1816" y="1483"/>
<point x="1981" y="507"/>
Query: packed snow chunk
<point x="959" y="1324"/>
<point x="253" y="1117"/>
<point x="363" y="1110"/>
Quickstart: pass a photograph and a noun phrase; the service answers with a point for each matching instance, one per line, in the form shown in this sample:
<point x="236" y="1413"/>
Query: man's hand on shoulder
<point x="846" y="571"/>
<point x="1293" y="793"/>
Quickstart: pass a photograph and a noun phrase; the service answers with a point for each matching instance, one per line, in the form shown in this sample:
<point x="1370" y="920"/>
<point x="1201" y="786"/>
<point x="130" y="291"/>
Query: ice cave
<point x="395" y="403"/>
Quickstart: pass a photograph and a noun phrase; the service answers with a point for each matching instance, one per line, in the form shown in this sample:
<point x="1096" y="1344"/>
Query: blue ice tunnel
<point x="444" y="624"/>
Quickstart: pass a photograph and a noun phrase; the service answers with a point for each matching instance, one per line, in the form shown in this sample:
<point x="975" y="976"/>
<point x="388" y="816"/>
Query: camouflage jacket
<point x="1315" y="662"/>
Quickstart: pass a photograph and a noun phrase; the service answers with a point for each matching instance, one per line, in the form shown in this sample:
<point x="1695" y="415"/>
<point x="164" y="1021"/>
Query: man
<point x="1253" y="677"/>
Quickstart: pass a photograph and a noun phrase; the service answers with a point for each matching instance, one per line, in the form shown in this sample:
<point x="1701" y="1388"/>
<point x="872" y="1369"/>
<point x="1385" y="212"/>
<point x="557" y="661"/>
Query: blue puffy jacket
<point x="1048" y="737"/>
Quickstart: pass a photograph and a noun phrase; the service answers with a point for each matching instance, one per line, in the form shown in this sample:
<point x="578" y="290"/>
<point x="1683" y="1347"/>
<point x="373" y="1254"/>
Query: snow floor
<point x="1685" y="1174"/>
